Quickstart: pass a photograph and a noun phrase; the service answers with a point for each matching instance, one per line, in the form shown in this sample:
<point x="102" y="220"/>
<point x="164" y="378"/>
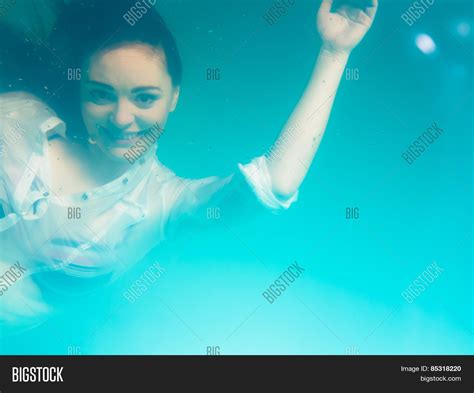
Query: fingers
<point x="371" y="9"/>
<point x="326" y="6"/>
<point x="368" y="7"/>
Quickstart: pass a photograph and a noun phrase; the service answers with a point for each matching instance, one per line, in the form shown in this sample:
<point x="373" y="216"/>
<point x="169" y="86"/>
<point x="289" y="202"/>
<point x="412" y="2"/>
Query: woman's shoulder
<point x="164" y="175"/>
<point x="26" y="110"/>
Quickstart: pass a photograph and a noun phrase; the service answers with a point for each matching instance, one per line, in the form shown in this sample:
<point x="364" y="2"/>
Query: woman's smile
<point x="121" y="137"/>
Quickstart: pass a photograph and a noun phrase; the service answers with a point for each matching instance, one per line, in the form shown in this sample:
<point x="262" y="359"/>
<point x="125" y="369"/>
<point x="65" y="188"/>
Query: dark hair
<point x="82" y="28"/>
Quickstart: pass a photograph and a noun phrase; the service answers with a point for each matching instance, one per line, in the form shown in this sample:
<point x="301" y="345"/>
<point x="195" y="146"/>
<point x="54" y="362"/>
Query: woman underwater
<point x="109" y="171"/>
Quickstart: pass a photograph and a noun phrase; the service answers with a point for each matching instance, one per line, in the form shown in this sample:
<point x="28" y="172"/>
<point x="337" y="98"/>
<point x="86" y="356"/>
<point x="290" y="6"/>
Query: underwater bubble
<point x="463" y="29"/>
<point x="425" y="44"/>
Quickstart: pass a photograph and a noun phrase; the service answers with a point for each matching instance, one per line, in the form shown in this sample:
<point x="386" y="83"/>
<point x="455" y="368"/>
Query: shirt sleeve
<point x="258" y="178"/>
<point x="25" y="123"/>
<point x="239" y="195"/>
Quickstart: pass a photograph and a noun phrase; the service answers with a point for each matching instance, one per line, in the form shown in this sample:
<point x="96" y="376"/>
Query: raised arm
<point x="341" y="29"/>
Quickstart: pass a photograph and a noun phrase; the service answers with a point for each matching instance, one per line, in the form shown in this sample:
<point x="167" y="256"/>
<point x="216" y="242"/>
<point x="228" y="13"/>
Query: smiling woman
<point x="116" y="60"/>
<point x="126" y="91"/>
<point x="74" y="155"/>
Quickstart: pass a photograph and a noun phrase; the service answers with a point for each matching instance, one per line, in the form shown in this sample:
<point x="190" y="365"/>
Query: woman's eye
<point x="146" y="99"/>
<point x="101" y="97"/>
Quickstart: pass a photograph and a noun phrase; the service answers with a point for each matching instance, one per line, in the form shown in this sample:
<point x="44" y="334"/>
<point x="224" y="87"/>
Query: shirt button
<point x="46" y="194"/>
<point x="85" y="196"/>
<point x="125" y="180"/>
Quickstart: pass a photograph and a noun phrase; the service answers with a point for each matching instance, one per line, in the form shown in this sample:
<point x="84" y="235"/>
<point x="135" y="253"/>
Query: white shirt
<point x="108" y="228"/>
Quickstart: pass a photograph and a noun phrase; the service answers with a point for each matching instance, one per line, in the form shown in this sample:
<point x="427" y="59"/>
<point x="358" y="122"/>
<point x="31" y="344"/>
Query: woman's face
<point x="126" y="96"/>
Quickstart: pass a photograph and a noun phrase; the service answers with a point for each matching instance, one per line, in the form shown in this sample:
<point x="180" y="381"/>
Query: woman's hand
<point x="344" y="27"/>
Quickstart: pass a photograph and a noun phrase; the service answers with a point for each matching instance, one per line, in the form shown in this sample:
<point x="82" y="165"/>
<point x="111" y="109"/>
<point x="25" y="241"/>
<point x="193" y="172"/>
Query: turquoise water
<point x="349" y="298"/>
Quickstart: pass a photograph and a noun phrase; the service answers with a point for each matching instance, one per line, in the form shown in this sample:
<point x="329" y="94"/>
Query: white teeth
<point x="128" y="136"/>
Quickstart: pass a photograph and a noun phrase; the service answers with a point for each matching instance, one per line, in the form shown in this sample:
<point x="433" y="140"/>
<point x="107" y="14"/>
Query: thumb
<point x="326" y="6"/>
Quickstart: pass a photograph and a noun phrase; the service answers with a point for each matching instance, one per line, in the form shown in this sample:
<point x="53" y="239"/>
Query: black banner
<point x="247" y="373"/>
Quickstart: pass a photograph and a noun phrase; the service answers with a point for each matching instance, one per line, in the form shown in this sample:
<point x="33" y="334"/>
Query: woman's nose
<point x="123" y="114"/>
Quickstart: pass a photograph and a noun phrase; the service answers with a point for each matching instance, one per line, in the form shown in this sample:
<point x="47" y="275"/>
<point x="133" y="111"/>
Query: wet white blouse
<point x="106" y="229"/>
